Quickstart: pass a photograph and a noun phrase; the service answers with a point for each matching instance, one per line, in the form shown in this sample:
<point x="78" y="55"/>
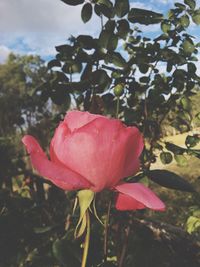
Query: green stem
<point x="117" y="109"/>
<point x="87" y="241"/>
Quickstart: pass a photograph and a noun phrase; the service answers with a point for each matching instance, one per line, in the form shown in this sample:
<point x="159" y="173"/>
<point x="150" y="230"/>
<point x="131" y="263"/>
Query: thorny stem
<point x="87" y="241"/>
<point x="106" y="232"/>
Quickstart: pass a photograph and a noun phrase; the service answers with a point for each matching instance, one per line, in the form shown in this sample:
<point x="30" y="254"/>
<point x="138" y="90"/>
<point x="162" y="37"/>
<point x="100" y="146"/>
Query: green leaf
<point x="170" y="180"/>
<point x="174" y="148"/>
<point x="117" y="59"/>
<point x="185" y="21"/>
<point x="181" y="6"/>
<point x="112" y="42"/>
<point x="121" y="7"/>
<point x="192" y="140"/>
<point x="86" y="42"/>
<point x="59" y="95"/>
<point x="86" y="12"/>
<point x="104" y="38"/>
<point x="194" y="152"/>
<point x="165" y="26"/>
<point x="188" y="47"/>
<point x="72" y="67"/>
<point x="142" y="16"/>
<point x="99" y="77"/>
<point x="181" y="160"/>
<point x="73" y="2"/>
<point x="123" y="28"/>
<point x="53" y="63"/>
<point x="193" y="224"/>
<point x="185" y="103"/>
<point x="190" y="3"/>
<point x="104" y="7"/>
<point x="196" y="17"/>
<point x="67" y="253"/>
<point x="166" y="157"/>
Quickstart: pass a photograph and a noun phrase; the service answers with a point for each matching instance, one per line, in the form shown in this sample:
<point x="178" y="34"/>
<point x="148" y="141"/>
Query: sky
<point x="36" y="27"/>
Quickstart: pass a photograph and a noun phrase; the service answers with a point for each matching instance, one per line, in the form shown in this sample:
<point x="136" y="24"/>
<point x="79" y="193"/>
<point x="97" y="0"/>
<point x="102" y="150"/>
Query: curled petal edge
<point x="134" y="196"/>
<point x="59" y="175"/>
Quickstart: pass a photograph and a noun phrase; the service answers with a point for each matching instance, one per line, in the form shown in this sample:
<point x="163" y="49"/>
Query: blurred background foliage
<point x="153" y="83"/>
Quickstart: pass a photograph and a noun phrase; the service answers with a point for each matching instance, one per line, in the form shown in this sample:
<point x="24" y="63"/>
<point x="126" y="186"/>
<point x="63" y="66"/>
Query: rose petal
<point x="141" y="194"/>
<point x="57" y="174"/>
<point x="124" y="202"/>
<point x="76" y="119"/>
<point x="133" y="151"/>
<point x="58" y="139"/>
<point x="97" y="151"/>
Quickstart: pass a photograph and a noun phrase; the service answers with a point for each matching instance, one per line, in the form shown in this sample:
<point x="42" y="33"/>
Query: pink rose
<point x="94" y="152"/>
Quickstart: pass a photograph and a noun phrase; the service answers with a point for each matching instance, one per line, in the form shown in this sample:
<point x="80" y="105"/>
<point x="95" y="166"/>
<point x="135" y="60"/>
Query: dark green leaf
<point x="54" y="63"/>
<point x="66" y="253"/>
<point x="72" y="67"/>
<point x="170" y="180"/>
<point x="112" y="42"/>
<point x="86" y="12"/>
<point x="60" y="95"/>
<point x="192" y="140"/>
<point x="117" y="59"/>
<point x="185" y="21"/>
<point x="188" y="46"/>
<point x="166" y="157"/>
<point x="105" y="7"/>
<point x="181" y="6"/>
<point x="194" y="152"/>
<point x="196" y="17"/>
<point x="73" y="2"/>
<point x="142" y="16"/>
<point x="99" y="77"/>
<point x="121" y="7"/>
<point x="110" y="25"/>
<point x="86" y="41"/>
<point x="123" y="28"/>
<point x="104" y="38"/>
<point x="190" y="3"/>
<point x="174" y="148"/>
<point x="65" y="49"/>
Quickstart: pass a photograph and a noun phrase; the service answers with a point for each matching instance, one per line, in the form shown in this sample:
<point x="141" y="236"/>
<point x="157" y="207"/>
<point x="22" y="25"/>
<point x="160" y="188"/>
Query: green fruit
<point x="119" y="89"/>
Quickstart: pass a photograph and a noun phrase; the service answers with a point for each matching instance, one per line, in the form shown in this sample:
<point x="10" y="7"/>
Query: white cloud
<point x="40" y="16"/>
<point x="37" y="26"/>
<point x="4" y="52"/>
<point x="142" y="5"/>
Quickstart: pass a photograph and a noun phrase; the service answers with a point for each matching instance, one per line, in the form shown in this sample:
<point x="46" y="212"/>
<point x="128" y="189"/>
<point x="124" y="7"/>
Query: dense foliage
<point x="150" y="82"/>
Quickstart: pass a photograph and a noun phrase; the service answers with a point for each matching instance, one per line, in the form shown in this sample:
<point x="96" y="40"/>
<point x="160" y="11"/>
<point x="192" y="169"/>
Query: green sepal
<point x="85" y="198"/>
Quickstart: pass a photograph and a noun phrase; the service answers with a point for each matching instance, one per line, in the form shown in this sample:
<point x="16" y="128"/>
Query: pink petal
<point x="124" y="202"/>
<point x="57" y="174"/>
<point x="58" y="139"/>
<point x="76" y="119"/>
<point x="133" y="151"/>
<point x="141" y="194"/>
<point x="97" y="151"/>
